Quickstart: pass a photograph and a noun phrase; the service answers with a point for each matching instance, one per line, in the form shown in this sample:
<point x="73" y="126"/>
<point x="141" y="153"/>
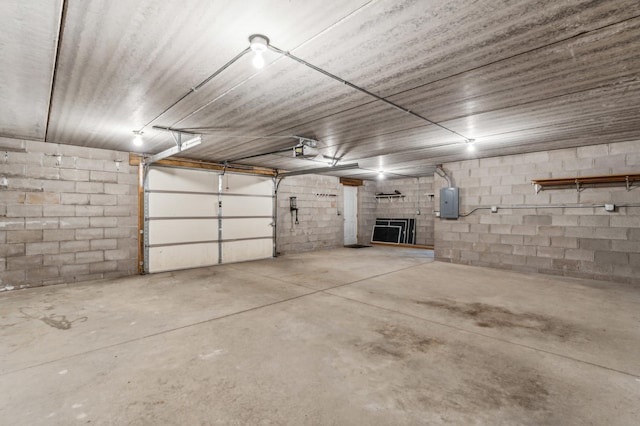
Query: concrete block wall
<point x="415" y="204"/>
<point x="321" y="226"/>
<point x="67" y="214"/>
<point x="577" y="242"/>
<point x="416" y="200"/>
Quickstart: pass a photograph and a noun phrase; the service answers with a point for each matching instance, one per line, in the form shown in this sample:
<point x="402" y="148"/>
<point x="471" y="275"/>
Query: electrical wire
<point x="552" y="206"/>
<point x="362" y="90"/>
<point x="198" y="86"/>
<point x="474" y="210"/>
<point x="248" y="49"/>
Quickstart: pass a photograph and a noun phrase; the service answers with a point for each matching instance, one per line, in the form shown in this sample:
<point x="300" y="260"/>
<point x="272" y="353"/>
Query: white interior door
<point x="350" y="215"/>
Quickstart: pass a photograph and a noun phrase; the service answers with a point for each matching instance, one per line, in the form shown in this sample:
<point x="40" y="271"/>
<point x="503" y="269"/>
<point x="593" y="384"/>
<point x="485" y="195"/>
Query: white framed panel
<point x="182" y="231"/>
<point x="246" y="206"/>
<point x="233" y="229"/>
<point x="170" y="258"/>
<point x="247" y="184"/>
<point x="162" y="204"/>
<point x="185" y="180"/>
<point x="240" y="251"/>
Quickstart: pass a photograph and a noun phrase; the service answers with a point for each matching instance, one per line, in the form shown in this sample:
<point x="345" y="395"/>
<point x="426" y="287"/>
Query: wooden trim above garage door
<point x="135" y="159"/>
<point x="351" y="182"/>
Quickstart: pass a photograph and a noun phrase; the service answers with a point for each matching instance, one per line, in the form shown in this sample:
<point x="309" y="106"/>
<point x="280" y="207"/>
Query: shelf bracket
<point x="628" y="183"/>
<point x="537" y="187"/>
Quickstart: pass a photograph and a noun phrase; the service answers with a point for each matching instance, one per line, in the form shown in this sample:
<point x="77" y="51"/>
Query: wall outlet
<point x="610" y="207"/>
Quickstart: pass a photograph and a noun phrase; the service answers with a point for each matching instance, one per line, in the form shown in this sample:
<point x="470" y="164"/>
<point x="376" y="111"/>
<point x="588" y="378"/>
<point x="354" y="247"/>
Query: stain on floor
<point x="398" y="342"/>
<point x="490" y="316"/>
<point x="508" y="389"/>
<point x="52" y="320"/>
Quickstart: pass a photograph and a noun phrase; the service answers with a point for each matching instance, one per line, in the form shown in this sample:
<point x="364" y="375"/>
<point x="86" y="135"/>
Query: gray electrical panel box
<point x="449" y="203"/>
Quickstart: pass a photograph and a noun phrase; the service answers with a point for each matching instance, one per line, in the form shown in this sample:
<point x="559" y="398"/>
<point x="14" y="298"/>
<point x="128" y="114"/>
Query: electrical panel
<point x="449" y="203"/>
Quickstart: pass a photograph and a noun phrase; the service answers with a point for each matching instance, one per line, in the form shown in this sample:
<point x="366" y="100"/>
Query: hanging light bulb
<point x="259" y="44"/>
<point x="471" y="145"/>
<point x="380" y="174"/>
<point x="137" y="139"/>
<point x="258" y="61"/>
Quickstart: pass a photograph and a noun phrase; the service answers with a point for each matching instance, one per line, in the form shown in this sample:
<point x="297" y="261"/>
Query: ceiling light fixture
<point x="259" y="44"/>
<point x="137" y="139"/>
<point x="471" y="145"/>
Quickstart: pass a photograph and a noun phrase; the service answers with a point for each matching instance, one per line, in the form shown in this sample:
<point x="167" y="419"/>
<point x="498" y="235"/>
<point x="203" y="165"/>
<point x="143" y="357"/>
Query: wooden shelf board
<point x="628" y="177"/>
<point x="416" y="246"/>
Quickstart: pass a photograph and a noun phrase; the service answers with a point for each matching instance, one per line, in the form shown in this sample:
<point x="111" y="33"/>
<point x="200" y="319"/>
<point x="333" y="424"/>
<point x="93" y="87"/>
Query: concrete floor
<point x="343" y="337"/>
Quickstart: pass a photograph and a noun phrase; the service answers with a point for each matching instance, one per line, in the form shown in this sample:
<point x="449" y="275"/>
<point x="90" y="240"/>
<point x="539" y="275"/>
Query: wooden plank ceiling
<point x="516" y="76"/>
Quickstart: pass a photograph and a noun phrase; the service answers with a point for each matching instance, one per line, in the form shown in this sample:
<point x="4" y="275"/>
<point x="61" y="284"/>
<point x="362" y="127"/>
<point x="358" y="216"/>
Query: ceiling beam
<point x="56" y="57"/>
<point x="318" y="170"/>
<point x="181" y="146"/>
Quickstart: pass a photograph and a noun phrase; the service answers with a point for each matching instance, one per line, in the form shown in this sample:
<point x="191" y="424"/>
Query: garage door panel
<point x="170" y="258"/>
<point x="233" y="229"/>
<point x="246" y="206"/>
<point x="183" y="218"/>
<point x="174" y="179"/>
<point x="239" y="251"/>
<point x="182" y="205"/>
<point x="182" y="231"/>
<point x="246" y="184"/>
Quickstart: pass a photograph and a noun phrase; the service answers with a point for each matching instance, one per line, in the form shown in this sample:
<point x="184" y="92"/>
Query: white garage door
<point x="197" y="218"/>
